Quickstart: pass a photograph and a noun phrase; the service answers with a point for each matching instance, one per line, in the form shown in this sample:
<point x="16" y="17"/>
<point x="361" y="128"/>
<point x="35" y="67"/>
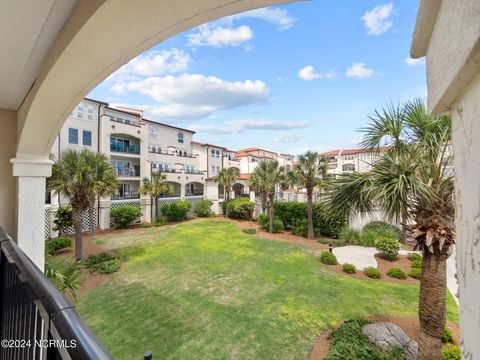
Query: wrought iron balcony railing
<point x="36" y="320"/>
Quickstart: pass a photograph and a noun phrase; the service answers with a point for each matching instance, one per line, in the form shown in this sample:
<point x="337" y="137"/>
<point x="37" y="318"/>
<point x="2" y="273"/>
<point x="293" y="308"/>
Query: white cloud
<point x="241" y="125"/>
<point x="276" y="16"/>
<point x="378" y="20"/>
<point x="308" y="73"/>
<point x="287" y="138"/>
<point x="217" y="36"/>
<point x="359" y="70"/>
<point x="194" y="96"/>
<point x="414" y="62"/>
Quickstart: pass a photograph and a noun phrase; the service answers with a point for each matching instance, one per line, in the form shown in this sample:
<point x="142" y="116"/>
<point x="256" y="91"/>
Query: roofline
<point x="424" y="25"/>
<point x="124" y="112"/>
<point x="170" y="126"/>
<point x="97" y="101"/>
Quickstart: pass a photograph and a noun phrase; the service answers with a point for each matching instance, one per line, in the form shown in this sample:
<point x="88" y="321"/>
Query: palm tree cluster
<point x="227" y="177"/>
<point x="412" y="183"/>
<point x="155" y="187"/>
<point x="81" y="176"/>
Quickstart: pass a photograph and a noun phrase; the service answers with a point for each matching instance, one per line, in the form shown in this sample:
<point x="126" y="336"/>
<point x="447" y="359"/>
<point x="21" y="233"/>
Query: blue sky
<point x="297" y="77"/>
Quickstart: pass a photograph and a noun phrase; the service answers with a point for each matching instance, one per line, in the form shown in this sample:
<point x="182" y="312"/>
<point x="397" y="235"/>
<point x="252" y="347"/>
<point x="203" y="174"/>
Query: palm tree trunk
<point x="91" y="219"/>
<point x="432" y="305"/>
<point x="157" y="215"/>
<point x="270" y="211"/>
<point x="77" y="223"/>
<point x="310" y="212"/>
<point x="264" y="203"/>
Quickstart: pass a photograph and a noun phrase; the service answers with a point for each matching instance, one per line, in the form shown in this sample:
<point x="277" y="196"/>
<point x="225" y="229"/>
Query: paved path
<point x="363" y="257"/>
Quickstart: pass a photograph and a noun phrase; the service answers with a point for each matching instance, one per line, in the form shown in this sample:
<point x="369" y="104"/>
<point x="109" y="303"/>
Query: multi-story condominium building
<point x="349" y="160"/>
<point x="137" y="146"/>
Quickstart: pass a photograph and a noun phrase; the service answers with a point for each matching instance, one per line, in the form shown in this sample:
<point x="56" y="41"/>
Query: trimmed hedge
<point x="372" y="272"/>
<point x="325" y="222"/>
<point x="397" y="273"/>
<point x="415" y="273"/>
<point x="349" y="268"/>
<point x="328" y="258"/>
<point x="388" y="247"/>
<point x="381" y="225"/>
<point x="125" y="215"/>
<point x="239" y="208"/>
<point x="414" y="257"/>
<point x="176" y="211"/>
<point x="250" y="231"/>
<point x="264" y="221"/>
<point x="53" y="246"/>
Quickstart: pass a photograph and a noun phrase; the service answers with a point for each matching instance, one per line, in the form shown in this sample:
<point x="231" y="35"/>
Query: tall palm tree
<point x="308" y="172"/>
<point x="103" y="182"/>
<point x="411" y="182"/>
<point x="155" y="187"/>
<point x="256" y="183"/>
<point x="269" y="176"/>
<point x="227" y="177"/>
<point x="74" y="176"/>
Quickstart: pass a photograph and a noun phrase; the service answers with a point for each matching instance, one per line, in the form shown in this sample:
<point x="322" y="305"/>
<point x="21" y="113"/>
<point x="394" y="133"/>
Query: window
<point x="152" y="131"/>
<point x="180" y="138"/>
<point x="80" y="111"/>
<point x="73" y="136"/>
<point x="87" y="138"/>
<point x="89" y="113"/>
<point x="348" y="167"/>
<point x="212" y="153"/>
<point x="213" y="169"/>
<point x="218" y="153"/>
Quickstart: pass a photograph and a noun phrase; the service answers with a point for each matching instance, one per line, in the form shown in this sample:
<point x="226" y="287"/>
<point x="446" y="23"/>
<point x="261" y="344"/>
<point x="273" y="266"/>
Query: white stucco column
<point x="32" y="172"/>
<point x="146" y="203"/>
<point x="104" y="213"/>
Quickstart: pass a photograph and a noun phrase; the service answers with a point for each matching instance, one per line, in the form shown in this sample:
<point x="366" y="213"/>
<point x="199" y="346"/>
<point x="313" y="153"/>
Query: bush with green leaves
<point x="372" y="272"/>
<point x="65" y="273"/>
<point x="349" y="342"/>
<point x="176" y="211"/>
<point x="300" y="228"/>
<point x="387" y="247"/>
<point x="125" y="215"/>
<point x="160" y="221"/>
<point x="417" y="263"/>
<point x="328" y="258"/>
<point x="250" y="231"/>
<point x="240" y="208"/>
<point x="53" y="246"/>
<point x="396" y="273"/>
<point x="103" y="263"/>
<point x="350" y="236"/>
<point x="147" y="225"/>
<point x="262" y="219"/>
<point x="414" y="256"/>
<point x="447" y="336"/>
<point x="381" y="226"/>
<point x="63" y="219"/>
<point x="277" y="224"/>
<point x="451" y="352"/>
<point x="203" y="208"/>
<point x="415" y="273"/>
<point x="349" y="268"/>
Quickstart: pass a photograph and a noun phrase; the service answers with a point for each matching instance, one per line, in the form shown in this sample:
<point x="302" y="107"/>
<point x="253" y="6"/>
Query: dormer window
<point x="152" y="131"/>
<point x="180" y="138"/>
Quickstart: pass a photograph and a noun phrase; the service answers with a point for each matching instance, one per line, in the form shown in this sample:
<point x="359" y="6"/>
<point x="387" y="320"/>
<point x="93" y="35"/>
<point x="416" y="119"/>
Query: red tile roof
<point x="351" y="151"/>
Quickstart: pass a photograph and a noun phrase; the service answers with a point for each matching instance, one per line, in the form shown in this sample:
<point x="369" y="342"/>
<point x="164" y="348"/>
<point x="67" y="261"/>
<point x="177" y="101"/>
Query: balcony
<point x="126" y="196"/>
<point x="195" y="172"/>
<point x="33" y="311"/>
<point x="158" y="150"/>
<point x="169" y="171"/>
<point x="131" y="149"/>
<point x="125" y="121"/>
<point x="127" y="172"/>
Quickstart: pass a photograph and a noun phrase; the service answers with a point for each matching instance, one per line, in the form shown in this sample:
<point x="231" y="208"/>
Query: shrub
<point x="382" y="226"/>
<point x="53" y="246"/>
<point x="103" y="263"/>
<point x="161" y="220"/>
<point x="448" y="337"/>
<point x="414" y="256"/>
<point x="350" y="236"/>
<point x="176" y="211"/>
<point x="300" y="228"/>
<point x="65" y="273"/>
<point x="63" y="219"/>
<point x="415" y="273"/>
<point x="147" y="225"/>
<point x="451" y="352"/>
<point x="349" y="342"/>
<point x="203" y="208"/>
<point x="262" y="219"/>
<point x="397" y="273"/>
<point x="387" y="247"/>
<point x="416" y="264"/>
<point x="349" y="268"/>
<point x="250" y="231"/>
<point x="372" y="273"/>
<point x="277" y="224"/>
<point x="125" y="215"/>
<point x="328" y="258"/>
<point x="368" y="238"/>
<point x="240" y="208"/>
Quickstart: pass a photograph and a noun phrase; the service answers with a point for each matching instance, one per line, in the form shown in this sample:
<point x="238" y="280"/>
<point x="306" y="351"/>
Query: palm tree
<point x="257" y="184"/>
<point x="155" y="187"/>
<point x="227" y="178"/>
<point x="268" y="176"/>
<point x="74" y="176"/>
<point x="308" y="173"/>
<point x="411" y="182"/>
<point x="103" y="182"/>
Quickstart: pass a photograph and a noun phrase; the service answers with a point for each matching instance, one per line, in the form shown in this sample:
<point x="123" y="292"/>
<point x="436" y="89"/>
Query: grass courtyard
<point x="205" y="290"/>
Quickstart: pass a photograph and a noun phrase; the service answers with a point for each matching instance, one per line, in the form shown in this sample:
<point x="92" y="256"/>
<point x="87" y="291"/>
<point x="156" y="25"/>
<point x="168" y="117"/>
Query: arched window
<point x="218" y="153"/>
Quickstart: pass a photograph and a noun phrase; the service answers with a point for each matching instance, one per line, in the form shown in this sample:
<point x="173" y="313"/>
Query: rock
<point x="388" y="335"/>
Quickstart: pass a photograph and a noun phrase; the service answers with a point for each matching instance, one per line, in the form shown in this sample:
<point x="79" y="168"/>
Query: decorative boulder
<point x="388" y="335"/>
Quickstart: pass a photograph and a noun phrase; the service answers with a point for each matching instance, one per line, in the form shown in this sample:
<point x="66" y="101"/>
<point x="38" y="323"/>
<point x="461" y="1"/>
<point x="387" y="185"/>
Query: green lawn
<point x="205" y="290"/>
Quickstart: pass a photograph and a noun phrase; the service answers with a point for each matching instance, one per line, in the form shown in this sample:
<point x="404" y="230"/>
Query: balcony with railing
<point x="129" y="149"/>
<point x="127" y="172"/>
<point x="126" y="196"/>
<point x="180" y="153"/>
<point x="125" y="121"/>
<point x="37" y="321"/>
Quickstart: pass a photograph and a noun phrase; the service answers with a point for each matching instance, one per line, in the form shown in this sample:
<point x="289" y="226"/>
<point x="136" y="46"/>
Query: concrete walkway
<point x="363" y="257"/>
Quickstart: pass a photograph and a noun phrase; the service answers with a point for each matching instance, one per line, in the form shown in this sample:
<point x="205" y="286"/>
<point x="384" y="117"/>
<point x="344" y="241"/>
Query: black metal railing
<point x="36" y="320"/>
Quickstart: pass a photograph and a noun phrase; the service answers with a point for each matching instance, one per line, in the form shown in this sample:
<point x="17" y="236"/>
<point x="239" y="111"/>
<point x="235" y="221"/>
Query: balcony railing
<point x="173" y="171"/>
<point x="126" y="196"/>
<point x="125" y="121"/>
<point x="194" y="171"/>
<point x="157" y="150"/>
<point x="37" y="321"/>
<point x="127" y="172"/>
<point x="132" y="149"/>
